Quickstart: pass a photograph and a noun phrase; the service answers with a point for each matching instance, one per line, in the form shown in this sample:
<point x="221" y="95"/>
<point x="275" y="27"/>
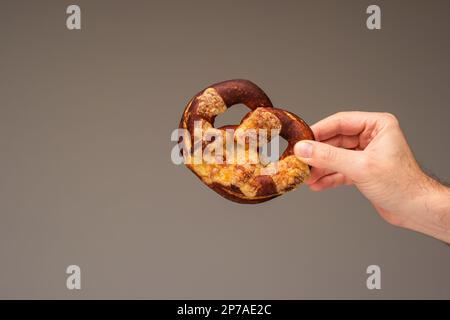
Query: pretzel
<point x="248" y="182"/>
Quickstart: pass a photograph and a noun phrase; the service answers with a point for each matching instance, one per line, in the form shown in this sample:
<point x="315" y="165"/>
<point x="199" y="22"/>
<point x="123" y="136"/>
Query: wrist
<point x="431" y="214"/>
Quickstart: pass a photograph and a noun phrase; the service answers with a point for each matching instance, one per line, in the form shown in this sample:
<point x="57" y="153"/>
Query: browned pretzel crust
<point x="255" y="182"/>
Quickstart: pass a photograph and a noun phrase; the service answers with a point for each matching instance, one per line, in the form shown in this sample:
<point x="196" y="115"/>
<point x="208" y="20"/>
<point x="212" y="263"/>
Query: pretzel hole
<point x="232" y="116"/>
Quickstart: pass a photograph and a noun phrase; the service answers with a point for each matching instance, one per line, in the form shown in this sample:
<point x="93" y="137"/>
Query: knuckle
<point x="340" y="114"/>
<point x="392" y="219"/>
<point x="365" y="164"/>
<point x="390" y="118"/>
<point x="328" y="154"/>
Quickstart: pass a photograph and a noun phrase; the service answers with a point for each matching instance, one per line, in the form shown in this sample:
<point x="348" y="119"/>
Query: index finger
<point x="349" y="123"/>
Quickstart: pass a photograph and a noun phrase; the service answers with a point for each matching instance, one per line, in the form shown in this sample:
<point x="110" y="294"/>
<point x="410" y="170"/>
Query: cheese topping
<point x="240" y="169"/>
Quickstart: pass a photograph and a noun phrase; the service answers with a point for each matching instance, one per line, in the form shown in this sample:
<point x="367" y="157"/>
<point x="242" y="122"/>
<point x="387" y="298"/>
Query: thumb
<point x="325" y="156"/>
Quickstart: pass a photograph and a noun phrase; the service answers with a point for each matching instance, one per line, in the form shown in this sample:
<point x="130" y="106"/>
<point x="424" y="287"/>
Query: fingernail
<point x="303" y="149"/>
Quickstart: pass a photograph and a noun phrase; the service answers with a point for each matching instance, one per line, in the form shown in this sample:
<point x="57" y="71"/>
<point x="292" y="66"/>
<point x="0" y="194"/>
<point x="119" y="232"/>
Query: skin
<point x="368" y="150"/>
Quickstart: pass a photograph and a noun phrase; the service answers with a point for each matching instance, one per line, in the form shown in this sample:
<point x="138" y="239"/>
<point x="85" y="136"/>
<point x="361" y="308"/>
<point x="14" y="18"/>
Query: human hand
<point x="369" y="150"/>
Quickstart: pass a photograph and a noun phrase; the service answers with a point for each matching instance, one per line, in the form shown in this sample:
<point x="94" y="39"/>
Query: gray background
<point x="85" y="170"/>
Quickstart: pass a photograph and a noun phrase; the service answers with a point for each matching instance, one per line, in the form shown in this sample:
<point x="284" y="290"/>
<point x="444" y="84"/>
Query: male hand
<point x="369" y="150"/>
